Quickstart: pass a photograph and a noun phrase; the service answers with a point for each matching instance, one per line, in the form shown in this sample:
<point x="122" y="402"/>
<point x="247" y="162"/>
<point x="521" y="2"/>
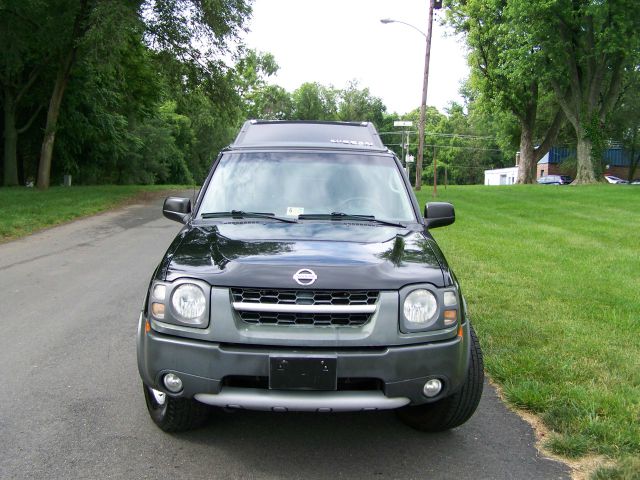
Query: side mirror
<point x="177" y="208"/>
<point x="439" y="214"/>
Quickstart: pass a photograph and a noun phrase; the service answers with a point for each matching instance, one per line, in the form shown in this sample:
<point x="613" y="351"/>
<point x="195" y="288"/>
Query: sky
<point x="333" y="42"/>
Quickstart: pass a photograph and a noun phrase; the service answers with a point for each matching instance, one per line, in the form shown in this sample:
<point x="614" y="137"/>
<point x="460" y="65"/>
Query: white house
<point x="501" y="176"/>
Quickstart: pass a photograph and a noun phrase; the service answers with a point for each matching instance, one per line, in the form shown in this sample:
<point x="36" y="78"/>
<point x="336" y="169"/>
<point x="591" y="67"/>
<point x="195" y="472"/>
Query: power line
<point x="447" y="146"/>
<point x="435" y="134"/>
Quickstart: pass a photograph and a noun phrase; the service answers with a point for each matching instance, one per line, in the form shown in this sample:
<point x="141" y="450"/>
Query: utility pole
<point x="423" y="104"/>
<point x="404" y="143"/>
<point x="445" y="177"/>
<point x="433" y="4"/>
<point x="435" y="173"/>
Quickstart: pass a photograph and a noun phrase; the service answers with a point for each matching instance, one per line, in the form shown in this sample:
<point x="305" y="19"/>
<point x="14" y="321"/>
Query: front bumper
<point x="203" y="367"/>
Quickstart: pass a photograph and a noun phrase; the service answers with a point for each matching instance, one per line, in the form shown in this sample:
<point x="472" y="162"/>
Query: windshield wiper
<point x="347" y="216"/>
<point x="241" y="214"/>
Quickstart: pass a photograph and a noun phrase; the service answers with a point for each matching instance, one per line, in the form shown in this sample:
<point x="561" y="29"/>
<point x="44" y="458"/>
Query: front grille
<point x="305" y="297"/>
<point x="334" y="308"/>
<point x="315" y="319"/>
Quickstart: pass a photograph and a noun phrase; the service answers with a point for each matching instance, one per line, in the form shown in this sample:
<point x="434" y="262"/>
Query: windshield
<point x="294" y="183"/>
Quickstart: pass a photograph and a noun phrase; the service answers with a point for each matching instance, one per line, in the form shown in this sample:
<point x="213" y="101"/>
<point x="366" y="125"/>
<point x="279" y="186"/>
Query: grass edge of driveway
<point x="24" y="211"/>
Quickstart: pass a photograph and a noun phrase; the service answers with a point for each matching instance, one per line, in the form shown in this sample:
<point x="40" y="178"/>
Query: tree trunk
<point x="10" y="140"/>
<point x="527" y="165"/>
<point x="44" y="167"/>
<point x="584" y="172"/>
<point x="46" y="153"/>
<point x="633" y="165"/>
<point x="528" y="118"/>
<point x="634" y="157"/>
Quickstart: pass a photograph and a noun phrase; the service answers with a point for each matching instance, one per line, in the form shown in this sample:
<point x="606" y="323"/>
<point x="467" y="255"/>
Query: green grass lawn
<point x="26" y="210"/>
<point x="552" y="278"/>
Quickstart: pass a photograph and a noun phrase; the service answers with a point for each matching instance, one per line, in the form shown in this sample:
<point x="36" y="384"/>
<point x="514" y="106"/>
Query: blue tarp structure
<point x="614" y="157"/>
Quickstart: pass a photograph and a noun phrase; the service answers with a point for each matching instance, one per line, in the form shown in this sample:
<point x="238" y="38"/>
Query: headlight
<point x="420" y="308"/>
<point x="189" y="303"/>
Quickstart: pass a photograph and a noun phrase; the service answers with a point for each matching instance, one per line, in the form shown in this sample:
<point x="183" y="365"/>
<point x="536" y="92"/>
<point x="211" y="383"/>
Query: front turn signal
<point x="157" y="310"/>
<point x="450" y="317"/>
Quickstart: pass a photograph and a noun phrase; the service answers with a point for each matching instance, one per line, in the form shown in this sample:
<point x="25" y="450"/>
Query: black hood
<point x="267" y="255"/>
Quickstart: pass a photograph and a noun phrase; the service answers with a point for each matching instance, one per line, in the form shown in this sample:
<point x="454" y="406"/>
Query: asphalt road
<point x="71" y="404"/>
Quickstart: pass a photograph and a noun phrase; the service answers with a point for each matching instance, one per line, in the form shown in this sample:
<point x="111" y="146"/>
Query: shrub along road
<point x="71" y="404"/>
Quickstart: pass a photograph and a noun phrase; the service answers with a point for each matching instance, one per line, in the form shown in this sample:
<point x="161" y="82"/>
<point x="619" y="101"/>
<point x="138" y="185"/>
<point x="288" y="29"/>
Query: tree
<point x="358" y="104"/>
<point x="67" y="57"/>
<point x="462" y="142"/>
<point x="507" y="72"/>
<point x="312" y="101"/>
<point x="625" y="122"/>
<point x="590" y="49"/>
<point x="464" y="148"/>
<point x="261" y="101"/>
<point x="192" y="31"/>
<point x="251" y="71"/>
<point x="108" y="98"/>
<point x="23" y="64"/>
<point x="271" y="102"/>
<point x="499" y="128"/>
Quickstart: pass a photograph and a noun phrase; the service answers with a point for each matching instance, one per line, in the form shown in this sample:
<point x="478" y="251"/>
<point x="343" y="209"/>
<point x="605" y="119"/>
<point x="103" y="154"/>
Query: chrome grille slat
<point x="321" y="308"/>
<point x="305" y="297"/>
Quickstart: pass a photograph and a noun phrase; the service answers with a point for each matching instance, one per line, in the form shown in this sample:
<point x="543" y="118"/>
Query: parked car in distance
<point x="636" y="182"/>
<point x="555" y="180"/>
<point x="612" y="179"/>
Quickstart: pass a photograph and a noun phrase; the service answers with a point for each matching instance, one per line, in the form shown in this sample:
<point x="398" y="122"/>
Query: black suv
<point x="305" y="279"/>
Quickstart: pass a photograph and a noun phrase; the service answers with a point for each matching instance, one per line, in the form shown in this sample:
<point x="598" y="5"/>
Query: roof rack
<point x="309" y="134"/>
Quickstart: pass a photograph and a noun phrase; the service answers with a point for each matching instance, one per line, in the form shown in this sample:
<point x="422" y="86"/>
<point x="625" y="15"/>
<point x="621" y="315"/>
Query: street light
<point x="423" y="105"/>
<point x="389" y="20"/>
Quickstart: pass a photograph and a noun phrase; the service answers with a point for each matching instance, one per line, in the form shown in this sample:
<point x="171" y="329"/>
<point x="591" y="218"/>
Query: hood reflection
<point x="244" y="254"/>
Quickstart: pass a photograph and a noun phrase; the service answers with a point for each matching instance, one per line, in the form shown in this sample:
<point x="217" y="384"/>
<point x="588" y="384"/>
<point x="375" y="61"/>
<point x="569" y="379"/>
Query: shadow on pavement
<point x="495" y="443"/>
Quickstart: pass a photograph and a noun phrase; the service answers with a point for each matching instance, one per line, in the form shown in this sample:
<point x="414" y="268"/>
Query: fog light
<point x="432" y="387"/>
<point x="173" y="382"/>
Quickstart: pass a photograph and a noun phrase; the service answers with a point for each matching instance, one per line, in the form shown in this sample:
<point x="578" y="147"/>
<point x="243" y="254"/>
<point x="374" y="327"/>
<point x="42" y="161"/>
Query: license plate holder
<point x="288" y="372"/>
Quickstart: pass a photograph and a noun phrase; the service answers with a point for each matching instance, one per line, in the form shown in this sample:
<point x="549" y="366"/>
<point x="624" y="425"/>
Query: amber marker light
<point x="157" y="309"/>
<point x="147" y="327"/>
<point x="450" y="317"/>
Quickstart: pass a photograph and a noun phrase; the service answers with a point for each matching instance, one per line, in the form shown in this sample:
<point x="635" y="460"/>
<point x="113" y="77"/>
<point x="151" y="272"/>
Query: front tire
<point x="452" y="411"/>
<point x="174" y="414"/>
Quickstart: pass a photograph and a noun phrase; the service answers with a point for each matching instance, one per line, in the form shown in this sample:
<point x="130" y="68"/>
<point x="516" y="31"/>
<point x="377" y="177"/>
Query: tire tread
<point x="452" y="411"/>
<point x="179" y="414"/>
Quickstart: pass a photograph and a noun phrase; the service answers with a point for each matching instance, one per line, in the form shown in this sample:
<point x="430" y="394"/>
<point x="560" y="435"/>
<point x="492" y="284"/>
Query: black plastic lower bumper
<point x="203" y="366"/>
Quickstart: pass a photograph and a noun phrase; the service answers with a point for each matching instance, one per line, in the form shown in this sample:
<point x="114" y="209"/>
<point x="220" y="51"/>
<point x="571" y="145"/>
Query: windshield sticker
<point x="294" y="211"/>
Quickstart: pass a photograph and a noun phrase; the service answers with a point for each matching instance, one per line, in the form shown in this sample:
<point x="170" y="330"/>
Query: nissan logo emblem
<point x="305" y="276"/>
